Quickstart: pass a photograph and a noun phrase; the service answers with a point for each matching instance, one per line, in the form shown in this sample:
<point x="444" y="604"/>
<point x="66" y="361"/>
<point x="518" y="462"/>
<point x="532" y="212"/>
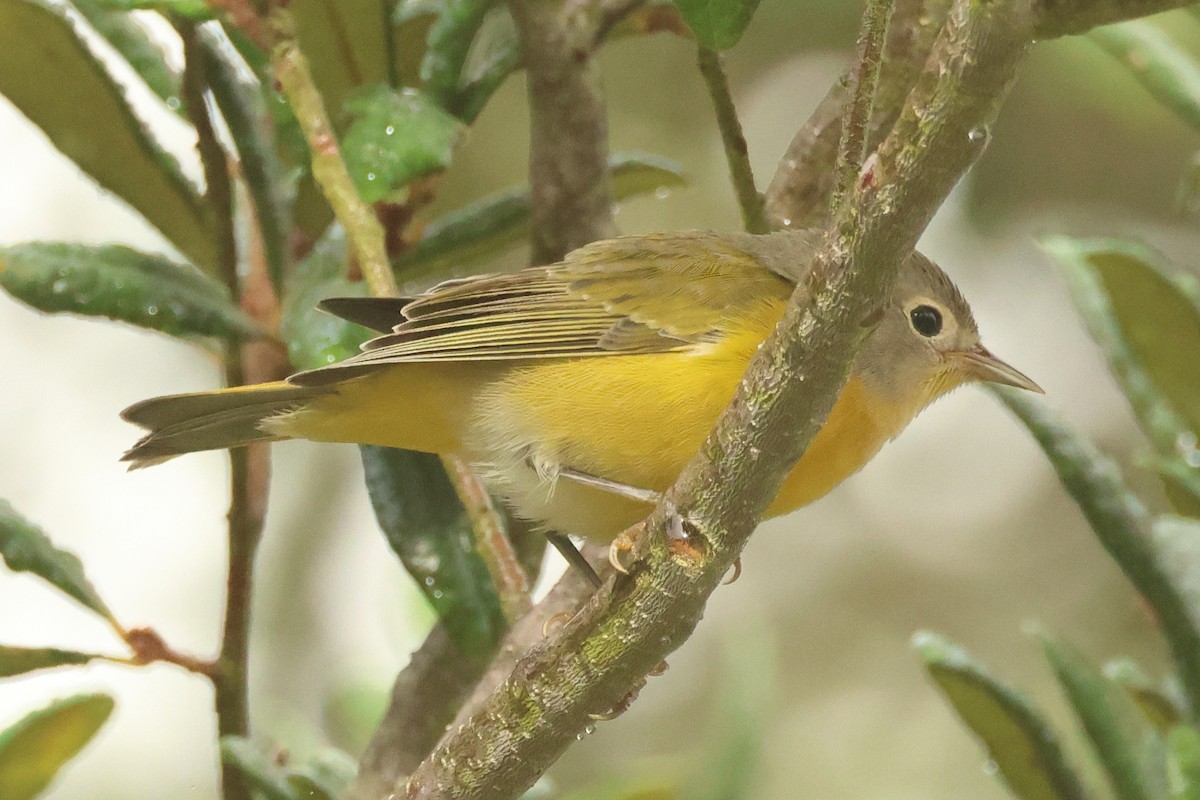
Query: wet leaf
<point x="1130" y="748"/>
<point x="489" y="225"/>
<point x="717" y="24"/>
<point x="316" y="339"/>
<point x="1120" y="522"/>
<point x="426" y="525"/>
<point x="20" y="660"/>
<point x="25" y="548"/>
<point x="1184" y="766"/>
<point x="268" y="778"/>
<point x="74" y="100"/>
<point x="1146" y="315"/>
<point x="120" y="283"/>
<point x="1164" y="67"/>
<point x="1025" y="750"/>
<point x="395" y="138"/>
<point x="34" y="750"/>
<point x="133" y="42"/>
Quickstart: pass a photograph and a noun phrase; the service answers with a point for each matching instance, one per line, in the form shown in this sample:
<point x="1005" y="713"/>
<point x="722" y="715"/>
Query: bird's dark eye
<point x="926" y="320"/>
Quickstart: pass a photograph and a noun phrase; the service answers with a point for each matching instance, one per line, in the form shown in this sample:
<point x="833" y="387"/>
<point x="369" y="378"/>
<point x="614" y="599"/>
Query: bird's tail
<point x="187" y="423"/>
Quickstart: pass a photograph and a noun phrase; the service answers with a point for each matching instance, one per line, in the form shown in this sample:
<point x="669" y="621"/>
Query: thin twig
<point x="365" y="234"/>
<point x="799" y="192"/>
<point x="853" y="148"/>
<point x="247" y="468"/>
<point x="736" y="153"/>
<point x="491" y="540"/>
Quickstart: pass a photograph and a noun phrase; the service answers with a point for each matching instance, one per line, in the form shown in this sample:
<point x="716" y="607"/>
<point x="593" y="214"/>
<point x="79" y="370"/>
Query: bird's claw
<point x="735" y="572"/>
<point x="624" y="543"/>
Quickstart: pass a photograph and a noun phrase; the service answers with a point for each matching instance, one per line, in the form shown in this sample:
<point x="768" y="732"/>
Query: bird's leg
<point x="613" y="487"/>
<point x="626" y="538"/>
<point x="567" y="549"/>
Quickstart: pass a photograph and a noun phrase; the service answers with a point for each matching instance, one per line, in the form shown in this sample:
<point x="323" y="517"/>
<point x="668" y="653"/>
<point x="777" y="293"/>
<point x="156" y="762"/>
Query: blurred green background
<point x="959" y="526"/>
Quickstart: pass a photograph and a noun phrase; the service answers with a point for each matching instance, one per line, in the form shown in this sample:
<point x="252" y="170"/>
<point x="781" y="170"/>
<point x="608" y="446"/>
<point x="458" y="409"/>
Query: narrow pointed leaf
<point x="717" y="24"/>
<point x="1184" y="766"/>
<point x="73" y="99"/>
<point x="20" y="660"/>
<point x="489" y="225"/>
<point x="1130" y="748"/>
<point x="1025" y="750"/>
<point x="143" y="289"/>
<point x="495" y="54"/>
<point x="1155" y="705"/>
<point x="624" y="788"/>
<point x="427" y="527"/>
<point x="133" y="42"/>
<point x="25" y="548"/>
<point x="268" y="778"/>
<point x="1177" y="541"/>
<point x="34" y="750"/>
<point x="197" y="10"/>
<point x="396" y="137"/>
<point x="1146" y="315"/>
<point x="1122" y="525"/>
<point x="1164" y="67"/>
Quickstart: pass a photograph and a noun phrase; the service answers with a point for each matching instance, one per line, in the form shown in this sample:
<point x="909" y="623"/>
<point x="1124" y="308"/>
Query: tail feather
<point x="188" y="423"/>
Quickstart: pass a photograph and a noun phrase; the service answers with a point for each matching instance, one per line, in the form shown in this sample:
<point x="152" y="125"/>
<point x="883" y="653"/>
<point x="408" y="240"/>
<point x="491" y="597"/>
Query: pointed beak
<point x="980" y="364"/>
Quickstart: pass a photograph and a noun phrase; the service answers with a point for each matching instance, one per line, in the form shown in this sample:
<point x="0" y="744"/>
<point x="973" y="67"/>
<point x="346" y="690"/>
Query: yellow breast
<point x="638" y="420"/>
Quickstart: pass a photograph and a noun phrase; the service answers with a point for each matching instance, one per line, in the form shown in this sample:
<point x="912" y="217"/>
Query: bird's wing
<point x="644" y="294"/>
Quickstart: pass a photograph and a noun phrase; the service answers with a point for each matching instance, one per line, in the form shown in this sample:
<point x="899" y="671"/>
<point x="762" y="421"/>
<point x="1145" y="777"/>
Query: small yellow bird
<point x="605" y="370"/>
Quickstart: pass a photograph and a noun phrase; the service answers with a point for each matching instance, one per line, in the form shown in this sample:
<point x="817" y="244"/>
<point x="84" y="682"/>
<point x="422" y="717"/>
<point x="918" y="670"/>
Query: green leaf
<point x="1130" y="749"/>
<point x="1024" y="748"/>
<point x="717" y="24"/>
<point x="489" y="225"/>
<point x="73" y="99"/>
<point x="25" y="548"/>
<point x="396" y="137"/>
<point x="1184" y="764"/>
<point x="1146" y="315"/>
<point x="1120" y="522"/>
<point x="316" y="339"/>
<point x="119" y="283"/>
<point x="1177" y="540"/>
<point x="449" y="43"/>
<point x="346" y="43"/>
<point x="36" y="748"/>
<point x="426" y="525"/>
<point x="325" y="776"/>
<point x="141" y="52"/>
<point x="1154" y="704"/>
<point x="20" y="660"/>
<point x="624" y="788"/>
<point x="268" y="778"/>
<point x="1166" y="69"/>
<point x="495" y="54"/>
<point x="244" y="107"/>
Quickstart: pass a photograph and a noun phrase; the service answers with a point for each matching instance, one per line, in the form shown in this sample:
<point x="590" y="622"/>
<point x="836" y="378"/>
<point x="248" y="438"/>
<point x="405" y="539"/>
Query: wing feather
<point x="636" y="295"/>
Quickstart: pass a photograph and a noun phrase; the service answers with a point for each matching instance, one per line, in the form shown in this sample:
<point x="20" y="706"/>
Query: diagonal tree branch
<point x="632" y="623"/>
